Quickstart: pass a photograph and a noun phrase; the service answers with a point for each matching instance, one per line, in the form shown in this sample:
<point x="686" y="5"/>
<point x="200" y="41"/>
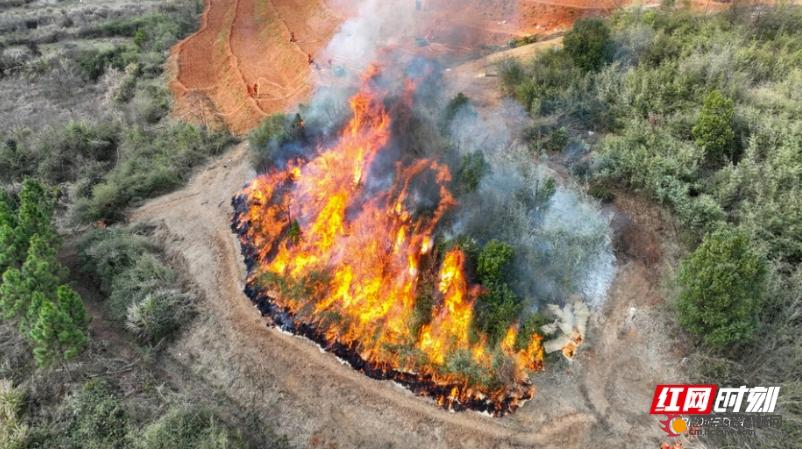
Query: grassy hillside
<point x="703" y="115"/>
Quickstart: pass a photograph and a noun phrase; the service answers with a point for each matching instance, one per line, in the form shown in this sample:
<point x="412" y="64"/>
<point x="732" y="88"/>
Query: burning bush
<point x="360" y="246"/>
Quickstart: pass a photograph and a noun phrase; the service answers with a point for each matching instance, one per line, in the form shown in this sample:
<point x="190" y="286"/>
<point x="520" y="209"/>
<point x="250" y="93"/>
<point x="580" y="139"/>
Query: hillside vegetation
<point x="701" y="114"/>
<point x="84" y="135"/>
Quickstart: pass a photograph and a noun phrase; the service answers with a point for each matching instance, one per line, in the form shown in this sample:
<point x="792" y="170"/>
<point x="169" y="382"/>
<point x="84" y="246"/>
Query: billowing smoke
<point x="561" y="238"/>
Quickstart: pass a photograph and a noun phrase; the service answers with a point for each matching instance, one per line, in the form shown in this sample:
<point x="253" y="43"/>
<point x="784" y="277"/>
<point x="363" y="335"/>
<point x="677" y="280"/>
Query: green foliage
<point x="530" y="326"/>
<point x="93" y="63"/>
<point x="151" y="162"/>
<point x="588" y="43"/>
<point x="13" y="430"/>
<point x="521" y="41"/>
<point x="425" y="300"/>
<point x="29" y="258"/>
<point x="190" y="429"/>
<point x="59" y="332"/>
<point x="294" y="233"/>
<point x="493" y="262"/>
<point x="41" y="273"/>
<point x="9" y="254"/>
<point x="713" y="130"/>
<point x="266" y="140"/>
<point x="140" y="286"/>
<point x="496" y="310"/>
<point x="158" y="315"/>
<point x="472" y="169"/>
<point x="13" y="295"/>
<point x="452" y="108"/>
<point x="100" y="419"/>
<point x="107" y="253"/>
<point x="34" y="215"/>
<point x="92" y="417"/>
<point x="722" y="285"/>
<point x="737" y="162"/>
<point x="498" y="306"/>
<point x="601" y="193"/>
<point x="140" y="38"/>
<point x="63" y="153"/>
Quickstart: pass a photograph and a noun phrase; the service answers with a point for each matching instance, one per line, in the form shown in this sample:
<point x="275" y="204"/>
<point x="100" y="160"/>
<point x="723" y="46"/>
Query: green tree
<point x="8" y="241"/>
<point x="588" y="43"/>
<point x="496" y="309"/>
<point x="498" y="306"/>
<point x="34" y="216"/>
<point x="713" y="130"/>
<point x="60" y="329"/>
<point x="13" y="297"/>
<point x="722" y="285"/>
<point x="40" y="273"/>
<point x="472" y="169"/>
<point x="493" y="261"/>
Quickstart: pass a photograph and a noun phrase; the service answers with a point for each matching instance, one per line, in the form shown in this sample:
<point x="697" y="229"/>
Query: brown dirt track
<point x="247" y="42"/>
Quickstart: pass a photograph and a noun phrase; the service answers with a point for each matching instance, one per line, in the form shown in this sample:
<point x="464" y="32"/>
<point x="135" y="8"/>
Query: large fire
<point x="342" y="261"/>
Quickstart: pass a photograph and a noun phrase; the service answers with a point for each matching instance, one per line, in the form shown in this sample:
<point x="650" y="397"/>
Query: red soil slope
<point x="242" y="64"/>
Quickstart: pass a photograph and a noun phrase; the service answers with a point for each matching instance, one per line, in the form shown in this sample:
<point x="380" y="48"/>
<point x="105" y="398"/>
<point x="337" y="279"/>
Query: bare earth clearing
<point x="245" y="43"/>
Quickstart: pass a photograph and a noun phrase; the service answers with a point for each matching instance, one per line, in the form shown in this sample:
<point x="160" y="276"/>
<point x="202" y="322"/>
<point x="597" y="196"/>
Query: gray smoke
<point x="561" y="237"/>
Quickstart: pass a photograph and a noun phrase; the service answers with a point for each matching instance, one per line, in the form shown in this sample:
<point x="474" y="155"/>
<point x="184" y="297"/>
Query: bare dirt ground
<point x="245" y="43"/>
<point x="599" y="400"/>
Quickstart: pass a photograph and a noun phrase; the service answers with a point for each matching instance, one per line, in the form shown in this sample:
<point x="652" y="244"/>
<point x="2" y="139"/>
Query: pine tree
<point x="41" y="273"/>
<point x="60" y="330"/>
<point x="13" y="298"/>
<point x="35" y="215"/>
<point x="9" y="253"/>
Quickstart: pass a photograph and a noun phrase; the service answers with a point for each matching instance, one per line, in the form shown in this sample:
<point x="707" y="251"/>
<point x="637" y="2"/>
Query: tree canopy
<point x="722" y="289"/>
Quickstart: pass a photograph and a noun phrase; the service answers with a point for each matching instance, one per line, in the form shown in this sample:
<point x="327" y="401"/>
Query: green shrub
<point x="107" y="253"/>
<point x="452" y="108"/>
<point x="472" y="169"/>
<point x="13" y="430"/>
<point x="130" y="286"/>
<point x="601" y="193"/>
<point x="713" y="130"/>
<point x="498" y="307"/>
<point x="266" y="140"/>
<point x="63" y="152"/>
<point x="189" y="429"/>
<point x="141" y="289"/>
<point x="588" y="43"/>
<point x="91" y="417"/>
<point x="100" y="420"/>
<point x="721" y="289"/>
<point x="521" y="41"/>
<point x="93" y="63"/>
<point x="158" y="315"/>
<point x="496" y="310"/>
<point x="493" y="262"/>
<point x="152" y="162"/>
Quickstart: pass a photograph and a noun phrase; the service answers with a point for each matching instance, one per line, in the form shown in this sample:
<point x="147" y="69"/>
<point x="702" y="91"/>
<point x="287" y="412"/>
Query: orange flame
<point x="355" y="269"/>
